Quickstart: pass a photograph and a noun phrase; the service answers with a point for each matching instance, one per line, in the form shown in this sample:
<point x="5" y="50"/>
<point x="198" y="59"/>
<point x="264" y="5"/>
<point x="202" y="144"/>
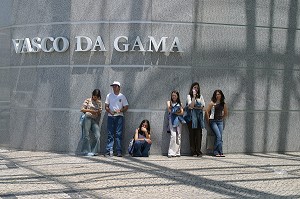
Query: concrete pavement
<point x="25" y="174"/>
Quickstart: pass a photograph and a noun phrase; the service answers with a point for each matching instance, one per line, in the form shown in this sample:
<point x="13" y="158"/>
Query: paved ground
<point x="26" y="174"/>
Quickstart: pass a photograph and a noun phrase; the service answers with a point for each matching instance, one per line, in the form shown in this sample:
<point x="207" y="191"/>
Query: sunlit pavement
<point x="25" y="174"/>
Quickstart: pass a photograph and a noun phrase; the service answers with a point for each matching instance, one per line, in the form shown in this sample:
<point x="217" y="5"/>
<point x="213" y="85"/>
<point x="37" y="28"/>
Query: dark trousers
<point x="195" y="139"/>
<point x="141" y="149"/>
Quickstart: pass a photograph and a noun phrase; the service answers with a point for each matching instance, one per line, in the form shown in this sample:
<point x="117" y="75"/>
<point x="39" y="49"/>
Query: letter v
<point x="18" y="43"/>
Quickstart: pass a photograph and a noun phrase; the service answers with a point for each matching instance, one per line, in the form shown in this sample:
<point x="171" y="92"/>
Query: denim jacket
<point x="176" y="119"/>
<point x="197" y="116"/>
<point x="189" y="112"/>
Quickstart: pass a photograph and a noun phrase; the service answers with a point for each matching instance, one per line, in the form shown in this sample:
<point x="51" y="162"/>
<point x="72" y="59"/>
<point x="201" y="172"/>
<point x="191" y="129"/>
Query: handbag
<point x="131" y="146"/>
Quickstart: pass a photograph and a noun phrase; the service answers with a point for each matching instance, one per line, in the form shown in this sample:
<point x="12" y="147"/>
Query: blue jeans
<point x="90" y="145"/>
<point x="141" y="148"/>
<point x="114" y="125"/>
<point x="217" y="128"/>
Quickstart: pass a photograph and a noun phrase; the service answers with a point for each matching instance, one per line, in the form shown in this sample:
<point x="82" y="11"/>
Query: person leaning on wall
<point x="175" y="124"/>
<point x="91" y="108"/>
<point x="115" y="105"/>
<point x="216" y="112"/>
<point x="195" y="118"/>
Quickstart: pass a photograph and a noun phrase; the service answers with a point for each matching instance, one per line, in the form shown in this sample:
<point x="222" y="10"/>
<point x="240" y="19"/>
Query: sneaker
<point x="171" y="156"/>
<point x="108" y="155"/>
<point x="119" y="155"/>
<point x="90" y="154"/>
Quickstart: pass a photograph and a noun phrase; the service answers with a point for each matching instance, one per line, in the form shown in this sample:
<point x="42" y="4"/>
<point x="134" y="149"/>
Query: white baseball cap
<point x="116" y="83"/>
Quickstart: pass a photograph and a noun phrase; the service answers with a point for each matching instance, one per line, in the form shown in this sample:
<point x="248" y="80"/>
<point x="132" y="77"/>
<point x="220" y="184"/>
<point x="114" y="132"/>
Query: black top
<point x="219" y="111"/>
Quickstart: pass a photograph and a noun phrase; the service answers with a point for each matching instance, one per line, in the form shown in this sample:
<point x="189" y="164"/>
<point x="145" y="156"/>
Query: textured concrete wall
<point x="249" y="49"/>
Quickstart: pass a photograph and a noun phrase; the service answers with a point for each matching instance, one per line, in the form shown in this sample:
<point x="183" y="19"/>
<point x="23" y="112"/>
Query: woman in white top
<point x="175" y="123"/>
<point x="196" y="123"/>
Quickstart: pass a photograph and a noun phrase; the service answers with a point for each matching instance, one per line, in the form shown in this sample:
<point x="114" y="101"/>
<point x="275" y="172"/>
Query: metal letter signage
<point x="84" y="44"/>
<point x="36" y="44"/>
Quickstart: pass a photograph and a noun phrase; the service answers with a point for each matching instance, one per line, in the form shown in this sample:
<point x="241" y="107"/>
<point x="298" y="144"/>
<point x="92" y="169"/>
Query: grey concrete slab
<point x="25" y="79"/>
<point x="213" y="49"/>
<point x="242" y="128"/>
<point x="5" y="40"/>
<point x="297" y="46"/>
<point x="57" y="139"/>
<point x="261" y="13"/>
<point x="206" y="11"/>
<point x="24" y="134"/>
<point x="175" y="11"/>
<point x="90" y="11"/>
<point x="111" y="10"/>
<point x="40" y="12"/>
<point x="4" y="125"/>
<point x="4" y="85"/>
<point x="6" y="14"/>
<point x="83" y="80"/>
<point x="176" y="79"/>
<point x="53" y="87"/>
<point x="132" y="10"/>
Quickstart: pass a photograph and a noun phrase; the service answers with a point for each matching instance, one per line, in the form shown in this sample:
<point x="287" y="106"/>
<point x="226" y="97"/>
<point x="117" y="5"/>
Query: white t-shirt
<point x="116" y="102"/>
<point x="199" y="100"/>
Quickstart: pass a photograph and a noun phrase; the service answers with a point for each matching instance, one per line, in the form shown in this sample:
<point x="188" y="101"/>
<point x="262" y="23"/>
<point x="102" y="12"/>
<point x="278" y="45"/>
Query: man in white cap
<point x="115" y="105"/>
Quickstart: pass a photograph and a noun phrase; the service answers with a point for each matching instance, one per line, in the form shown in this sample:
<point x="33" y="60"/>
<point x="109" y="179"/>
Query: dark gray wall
<point x="249" y="49"/>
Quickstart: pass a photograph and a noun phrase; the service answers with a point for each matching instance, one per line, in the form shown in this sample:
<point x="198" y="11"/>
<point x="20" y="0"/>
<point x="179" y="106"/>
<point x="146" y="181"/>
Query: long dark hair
<point x="214" y="97"/>
<point x="148" y="123"/>
<point x="178" y="97"/>
<point x="97" y="93"/>
<point x="191" y="89"/>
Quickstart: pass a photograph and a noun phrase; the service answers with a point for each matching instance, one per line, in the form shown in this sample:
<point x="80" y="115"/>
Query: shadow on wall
<point x="165" y="133"/>
<point x="289" y="87"/>
<point x="250" y="56"/>
<point x="56" y="86"/>
<point x="268" y="60"/>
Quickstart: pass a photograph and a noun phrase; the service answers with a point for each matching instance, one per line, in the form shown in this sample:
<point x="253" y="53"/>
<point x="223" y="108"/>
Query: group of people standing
<point x="193" y="113"/>
<point x="196" y="116"/>
<point x="115" y="105"/>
